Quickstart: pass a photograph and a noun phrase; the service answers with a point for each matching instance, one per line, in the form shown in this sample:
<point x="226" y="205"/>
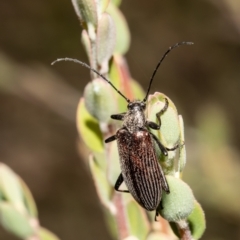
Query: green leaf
<point x="197" y="222"/>
<point x="15" y="221"/>
<point x="100" y="180"/>
<point x="103" y="5"/>
<point x="111" y="223"/>
<point x="99" y="99"/>
<point x="169" y="133"/>
<point x="106" y="35"/>
<point x="113" y="169"/>
<point x="45" y="234"/>
<point x="86" y="10"/>
<point x="116" y="2"/>
<point x="28" y="199"/>
<point x="123" y="34"/>
<point x="86" y="42"/>
<point x="88" y="128"/>
<point x="170" y="130"/>
<point x="120" y="78"/>
<point x="137" y="220"/>
<point x="182" y="153"/>
<point x="10" y="186"/>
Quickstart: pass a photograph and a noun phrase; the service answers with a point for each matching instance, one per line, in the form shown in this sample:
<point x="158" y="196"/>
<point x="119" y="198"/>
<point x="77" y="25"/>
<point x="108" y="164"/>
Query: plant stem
<point x="122" y="226"/>
<point x="184" y="230"/>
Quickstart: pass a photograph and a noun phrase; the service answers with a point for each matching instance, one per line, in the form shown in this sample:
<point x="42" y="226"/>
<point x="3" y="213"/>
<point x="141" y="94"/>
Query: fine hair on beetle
<point x="140" y="168"/>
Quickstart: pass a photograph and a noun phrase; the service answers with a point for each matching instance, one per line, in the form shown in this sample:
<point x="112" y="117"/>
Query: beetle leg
<point x="118" y="184"/>
<point x="160" y="207"/>
<point x="156" y="215"/>
<point x="110" y="139"/>
<point x="160" y="145"/>
<point x="173" y="148"/>
<point x="154" y="125"/>
<point x="161" y="112"/>
<point x="165" y="186"/>
<point x="118" y="116"/>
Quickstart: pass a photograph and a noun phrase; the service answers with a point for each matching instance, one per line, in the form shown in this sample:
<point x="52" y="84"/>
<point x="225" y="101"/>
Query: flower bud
<point x="99" y="99"/>
<point x="179" y="203"/>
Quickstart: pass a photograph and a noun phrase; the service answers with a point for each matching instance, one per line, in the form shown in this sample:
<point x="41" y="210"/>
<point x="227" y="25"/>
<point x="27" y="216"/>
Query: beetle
<point x="140" y="168"/>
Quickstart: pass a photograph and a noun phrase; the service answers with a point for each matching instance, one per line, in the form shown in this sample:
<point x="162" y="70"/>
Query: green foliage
<point x="179" y="204"/>
<point x="16" y="221"/>
<point x="170" y="128"/>
<point x="122" y="34"/>
<point x="18" y="212"/>
<point x="197" y="221"/>
<point x="106" y="38"/>
<point x="89" y="128"/>
<point x="96" y="95"/>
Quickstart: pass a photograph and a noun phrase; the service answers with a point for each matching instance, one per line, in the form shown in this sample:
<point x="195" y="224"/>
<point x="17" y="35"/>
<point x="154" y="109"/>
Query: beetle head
<point x="137" y="105"/>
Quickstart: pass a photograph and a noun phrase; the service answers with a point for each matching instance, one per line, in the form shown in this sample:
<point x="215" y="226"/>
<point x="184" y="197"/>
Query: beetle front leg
<point x="110" y="139"/>
<point x="154" y="125"/>
<point x="173" y="148"/>
<point x="118" y="116"/>
<point x="161" y="112"/>
<point x="118" y="184"/>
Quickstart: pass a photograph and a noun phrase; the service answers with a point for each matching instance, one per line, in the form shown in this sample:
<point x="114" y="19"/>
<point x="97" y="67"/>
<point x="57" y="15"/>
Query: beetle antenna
<point x="159" y="63"/>
<point x="92" y="69"/>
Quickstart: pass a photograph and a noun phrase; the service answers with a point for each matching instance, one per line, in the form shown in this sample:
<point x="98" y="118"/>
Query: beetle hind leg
<point x="160" y="207"/>
<point x="118" y="184"/>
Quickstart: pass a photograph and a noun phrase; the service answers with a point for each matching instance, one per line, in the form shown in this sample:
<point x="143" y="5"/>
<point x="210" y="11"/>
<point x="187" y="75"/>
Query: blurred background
<point x="38" y="136"/>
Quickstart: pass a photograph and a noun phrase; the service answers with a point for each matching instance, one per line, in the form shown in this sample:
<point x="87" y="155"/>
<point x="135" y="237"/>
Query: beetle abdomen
<point x="140" y="168"/>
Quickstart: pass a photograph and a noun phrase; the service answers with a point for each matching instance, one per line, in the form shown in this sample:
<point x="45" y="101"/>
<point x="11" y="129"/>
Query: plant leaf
<point x="123" y="34"/>
<point x="88" y="128"/>
<point x="15" y="221"/>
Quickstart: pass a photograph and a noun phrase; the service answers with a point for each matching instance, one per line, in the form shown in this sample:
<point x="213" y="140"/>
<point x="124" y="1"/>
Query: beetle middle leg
<point x="163" y="149"/>
<point x="118" y="184"/>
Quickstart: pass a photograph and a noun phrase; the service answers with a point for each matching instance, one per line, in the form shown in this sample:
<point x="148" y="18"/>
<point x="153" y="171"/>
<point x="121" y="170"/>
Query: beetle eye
<point x="129" y="105"/>
<point x="143" y="105"/>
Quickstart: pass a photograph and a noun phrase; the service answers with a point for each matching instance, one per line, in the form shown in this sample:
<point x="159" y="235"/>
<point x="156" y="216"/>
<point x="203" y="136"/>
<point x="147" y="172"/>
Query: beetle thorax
<point x="134" y="118"/>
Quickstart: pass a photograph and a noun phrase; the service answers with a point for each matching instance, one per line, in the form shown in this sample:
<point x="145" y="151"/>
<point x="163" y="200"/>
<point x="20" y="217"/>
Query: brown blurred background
<point x="38" y="137"/>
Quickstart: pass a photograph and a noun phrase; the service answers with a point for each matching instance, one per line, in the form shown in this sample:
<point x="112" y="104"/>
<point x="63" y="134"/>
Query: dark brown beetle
<point x="140" y="168"/>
